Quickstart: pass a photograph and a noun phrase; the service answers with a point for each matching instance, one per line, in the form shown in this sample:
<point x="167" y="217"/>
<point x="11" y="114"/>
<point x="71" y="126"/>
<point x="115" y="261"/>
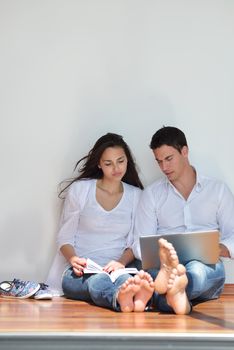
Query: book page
<point x="92" y="267"/>
<point x="115" y="274"/>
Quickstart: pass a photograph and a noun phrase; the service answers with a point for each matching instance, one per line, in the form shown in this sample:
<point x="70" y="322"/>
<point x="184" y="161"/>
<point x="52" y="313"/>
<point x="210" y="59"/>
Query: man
<point x="184" y="200"/>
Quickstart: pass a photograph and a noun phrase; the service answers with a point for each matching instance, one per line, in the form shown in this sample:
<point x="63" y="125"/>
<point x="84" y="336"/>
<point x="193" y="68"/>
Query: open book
<point x="92" y="267"/>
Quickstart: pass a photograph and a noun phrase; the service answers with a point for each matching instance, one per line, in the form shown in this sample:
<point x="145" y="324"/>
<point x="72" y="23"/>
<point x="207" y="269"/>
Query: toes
<point x="141" y="273"/>
<point x="148" y="277"/>
<point x="137" y="279"/>
<point x="144" y="275"/>
<point x="181" y="269"/>
<point x="128" y="282"/>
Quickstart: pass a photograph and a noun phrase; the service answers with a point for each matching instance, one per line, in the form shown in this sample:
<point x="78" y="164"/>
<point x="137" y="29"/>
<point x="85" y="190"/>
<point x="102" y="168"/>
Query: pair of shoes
<point x="43" y="293"/>
<point x="18" y="288"/>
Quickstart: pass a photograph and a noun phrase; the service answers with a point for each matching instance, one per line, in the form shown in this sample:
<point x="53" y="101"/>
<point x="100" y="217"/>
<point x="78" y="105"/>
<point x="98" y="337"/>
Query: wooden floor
<point x="62" y="321"/>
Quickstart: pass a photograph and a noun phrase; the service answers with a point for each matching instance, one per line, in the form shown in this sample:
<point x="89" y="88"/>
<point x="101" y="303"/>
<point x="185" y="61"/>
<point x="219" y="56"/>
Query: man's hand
<point x="223" y="251"/>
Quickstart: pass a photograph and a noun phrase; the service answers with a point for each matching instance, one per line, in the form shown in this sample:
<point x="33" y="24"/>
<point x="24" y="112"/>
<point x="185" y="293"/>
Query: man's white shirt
<point x="162" y="209"/>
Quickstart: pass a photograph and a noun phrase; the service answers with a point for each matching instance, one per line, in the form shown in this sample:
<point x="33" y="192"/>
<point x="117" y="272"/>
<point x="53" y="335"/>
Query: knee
<point x="98" y="281"/>
<point x="196" y="273"/>
<point x="69" y="283"/>
<point x="201" y="276"/>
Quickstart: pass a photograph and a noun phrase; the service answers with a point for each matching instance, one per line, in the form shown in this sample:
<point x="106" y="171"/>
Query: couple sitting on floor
<point x="105" y="211"/>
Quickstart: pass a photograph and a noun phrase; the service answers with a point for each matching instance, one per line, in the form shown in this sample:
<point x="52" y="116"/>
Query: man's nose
<point x="164" y="166"/>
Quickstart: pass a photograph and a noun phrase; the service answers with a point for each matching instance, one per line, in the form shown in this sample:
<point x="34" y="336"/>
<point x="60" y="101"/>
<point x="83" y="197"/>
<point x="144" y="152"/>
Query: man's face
<point x="171" y="161"/>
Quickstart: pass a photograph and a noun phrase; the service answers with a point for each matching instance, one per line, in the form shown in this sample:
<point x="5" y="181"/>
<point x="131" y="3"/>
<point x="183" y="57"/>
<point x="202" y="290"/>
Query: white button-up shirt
<point x="162" y="209"/>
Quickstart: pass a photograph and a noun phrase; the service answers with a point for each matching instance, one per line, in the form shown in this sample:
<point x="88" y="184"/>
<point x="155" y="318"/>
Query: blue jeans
<point x="205" y="282"/>
<point x="97" y="288"/>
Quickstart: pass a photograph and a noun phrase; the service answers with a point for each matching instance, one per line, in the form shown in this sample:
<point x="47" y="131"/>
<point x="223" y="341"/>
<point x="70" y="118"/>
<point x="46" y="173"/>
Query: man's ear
<point x="185" y="151"/>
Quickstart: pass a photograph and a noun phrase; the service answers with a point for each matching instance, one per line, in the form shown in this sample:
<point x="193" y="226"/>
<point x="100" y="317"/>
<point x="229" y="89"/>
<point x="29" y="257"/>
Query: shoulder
<point x="214" y="186"/>
<point x="205" y="181"/>
<point x="156" y="187"/>
<point x="80" y="187"/>
<point x="154" y="194"/>
<point x="132" y="190"/>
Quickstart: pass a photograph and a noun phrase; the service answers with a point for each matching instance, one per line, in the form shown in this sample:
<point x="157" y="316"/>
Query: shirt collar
<point x="198" y="185"/>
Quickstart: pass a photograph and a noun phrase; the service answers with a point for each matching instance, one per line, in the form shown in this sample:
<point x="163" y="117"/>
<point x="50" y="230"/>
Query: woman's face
<point x="113" y="163"/>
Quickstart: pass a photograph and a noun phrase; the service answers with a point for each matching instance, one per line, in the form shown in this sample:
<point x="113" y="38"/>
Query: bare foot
<point x="169" y="260"/>
<point x="145" y="292"/>
<point x="126" y="294"/>
<point x="176" y="295"/>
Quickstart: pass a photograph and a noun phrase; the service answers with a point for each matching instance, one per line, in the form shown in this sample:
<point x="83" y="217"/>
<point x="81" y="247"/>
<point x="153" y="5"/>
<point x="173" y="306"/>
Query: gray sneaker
<point x="43" y="293"/>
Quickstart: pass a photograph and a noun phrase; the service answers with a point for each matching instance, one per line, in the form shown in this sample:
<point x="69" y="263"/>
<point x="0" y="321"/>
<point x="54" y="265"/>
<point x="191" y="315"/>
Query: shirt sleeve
<point x="136" y="196"/>
<point x="146" y="219"/>
<point x="68" y="226"/>
<point x="225" y="218"/>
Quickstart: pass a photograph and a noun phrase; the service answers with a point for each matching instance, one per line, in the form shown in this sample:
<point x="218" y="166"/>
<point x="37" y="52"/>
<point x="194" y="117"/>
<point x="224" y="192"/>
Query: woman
<point x="97" y="223"/>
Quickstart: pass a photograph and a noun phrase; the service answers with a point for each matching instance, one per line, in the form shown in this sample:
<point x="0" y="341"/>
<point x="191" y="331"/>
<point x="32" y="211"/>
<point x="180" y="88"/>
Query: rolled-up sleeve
<point x="131" y="237"/>
<point x="145" y="221"/>
<point x="68" y="226"/>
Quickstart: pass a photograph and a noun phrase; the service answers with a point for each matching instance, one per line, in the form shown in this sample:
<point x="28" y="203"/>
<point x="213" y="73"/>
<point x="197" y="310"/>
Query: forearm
<point x="77" y="263"/>
<point x="68" y="251"/>
<point x="126" y="257"/>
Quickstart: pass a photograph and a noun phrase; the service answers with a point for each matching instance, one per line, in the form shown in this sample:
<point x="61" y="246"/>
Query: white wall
<point x="73" y="70"/>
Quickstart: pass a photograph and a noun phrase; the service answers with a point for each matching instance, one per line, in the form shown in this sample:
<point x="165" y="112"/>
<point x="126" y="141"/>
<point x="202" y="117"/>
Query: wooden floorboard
<point x="212" y="321"/>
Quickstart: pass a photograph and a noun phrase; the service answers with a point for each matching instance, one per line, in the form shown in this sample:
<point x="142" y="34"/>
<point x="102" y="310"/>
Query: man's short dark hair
<point x="170" y="136"/>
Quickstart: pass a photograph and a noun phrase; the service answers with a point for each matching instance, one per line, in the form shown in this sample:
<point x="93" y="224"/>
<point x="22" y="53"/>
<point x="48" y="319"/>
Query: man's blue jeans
<point x="205" y="282"/>
<point x="97" y="288"/>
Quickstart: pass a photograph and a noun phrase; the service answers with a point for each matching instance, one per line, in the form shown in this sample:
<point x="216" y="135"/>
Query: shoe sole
<point x="40" y="297"/>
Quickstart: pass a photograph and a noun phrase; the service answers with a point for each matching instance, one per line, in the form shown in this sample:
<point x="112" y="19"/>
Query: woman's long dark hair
<point x="88" y="165"/>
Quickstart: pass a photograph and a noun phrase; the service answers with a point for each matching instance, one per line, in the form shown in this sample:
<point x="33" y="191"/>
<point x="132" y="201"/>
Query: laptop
<point x="199" y="245"/>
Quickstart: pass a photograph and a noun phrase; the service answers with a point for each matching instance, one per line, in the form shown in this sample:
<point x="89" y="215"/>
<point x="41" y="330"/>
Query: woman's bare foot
<point x="145" y="292"/>
<point x="176" y="295"/>
<point x="169" y="260"/>
<point x="126" y="294"/>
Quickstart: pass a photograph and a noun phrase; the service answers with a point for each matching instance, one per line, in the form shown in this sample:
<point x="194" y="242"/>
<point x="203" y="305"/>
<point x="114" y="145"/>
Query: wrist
<point x="122" y="262"/>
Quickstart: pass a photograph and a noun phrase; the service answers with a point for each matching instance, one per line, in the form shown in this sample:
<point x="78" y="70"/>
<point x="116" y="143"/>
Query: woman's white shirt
<point x="93" y="231"/>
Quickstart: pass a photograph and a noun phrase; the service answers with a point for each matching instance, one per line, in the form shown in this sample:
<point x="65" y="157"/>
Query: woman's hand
<point x="78" y="265"/>
<point x="112" y="266"/>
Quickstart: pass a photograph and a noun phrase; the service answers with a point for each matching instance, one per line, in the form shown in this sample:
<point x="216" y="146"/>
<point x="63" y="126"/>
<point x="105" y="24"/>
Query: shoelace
<point x="43" y="286"/>
<point x="18" y="283"/>
<point x="10" y="284"/>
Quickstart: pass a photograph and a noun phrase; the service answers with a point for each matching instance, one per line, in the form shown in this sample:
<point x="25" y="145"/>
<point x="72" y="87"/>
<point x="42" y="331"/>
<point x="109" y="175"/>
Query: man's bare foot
<point x="176" y="295"/>
<point x="126" y="294"/>
<point x="169" y="260"/>
<point x="145" y="292"/>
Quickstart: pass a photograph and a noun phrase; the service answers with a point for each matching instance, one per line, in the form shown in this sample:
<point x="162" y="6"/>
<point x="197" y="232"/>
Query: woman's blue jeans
<point x="205" y="282"/>
<point x="97" y="288"/>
